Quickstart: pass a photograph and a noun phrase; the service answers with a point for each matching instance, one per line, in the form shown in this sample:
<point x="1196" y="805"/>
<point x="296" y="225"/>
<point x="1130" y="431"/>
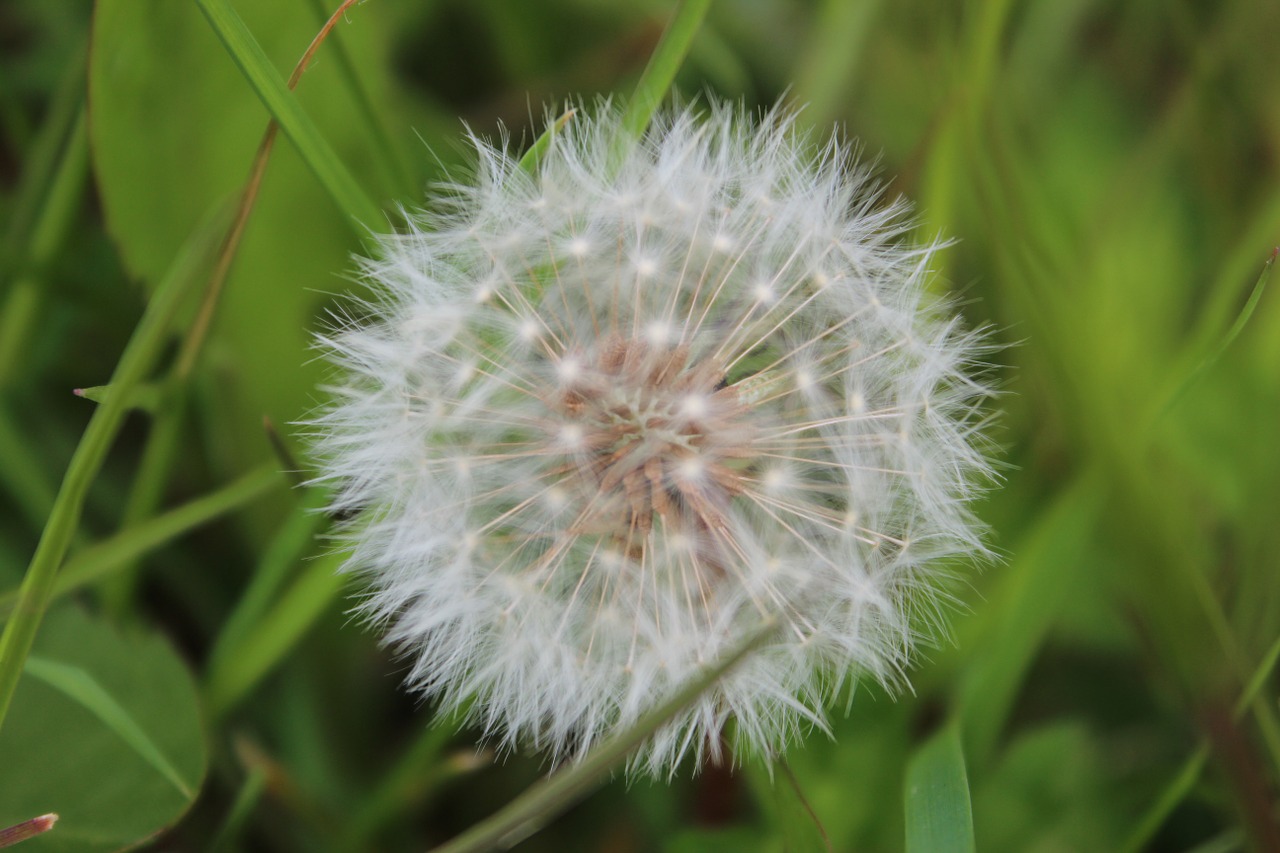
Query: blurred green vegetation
<point x="1110" y="172"/>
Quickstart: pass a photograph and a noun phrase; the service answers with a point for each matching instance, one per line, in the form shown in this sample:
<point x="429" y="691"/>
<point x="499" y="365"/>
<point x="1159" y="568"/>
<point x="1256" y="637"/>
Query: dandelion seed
<point x="622" y="453"/>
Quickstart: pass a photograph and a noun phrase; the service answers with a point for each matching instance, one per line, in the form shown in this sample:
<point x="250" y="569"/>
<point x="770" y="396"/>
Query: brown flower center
<point x="649" y="433"/>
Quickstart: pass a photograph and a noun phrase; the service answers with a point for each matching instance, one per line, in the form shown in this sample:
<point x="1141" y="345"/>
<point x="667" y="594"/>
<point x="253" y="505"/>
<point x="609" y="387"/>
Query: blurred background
<point x="1108" y="172"/>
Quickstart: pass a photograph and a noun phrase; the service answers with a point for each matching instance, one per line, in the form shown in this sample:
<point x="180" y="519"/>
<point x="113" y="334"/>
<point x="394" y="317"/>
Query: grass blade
<point x="237" y="669"/>
<point x="529" y="162"/>
<point x="1182" y="783"/>
<point x="285" y="109"/>
<point x="939" y="817"/>
<point x="134" y="542"/>
<point x="1211" y="357"/>
<point x="139" y="356"/>
<point x="667" y="57"/>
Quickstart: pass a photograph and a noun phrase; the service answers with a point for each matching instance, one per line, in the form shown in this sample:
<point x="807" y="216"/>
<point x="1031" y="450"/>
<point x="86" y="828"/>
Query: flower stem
<point x="528" y="812"/>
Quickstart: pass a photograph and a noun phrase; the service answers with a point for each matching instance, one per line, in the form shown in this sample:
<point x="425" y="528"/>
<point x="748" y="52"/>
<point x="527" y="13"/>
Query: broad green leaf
<point x="79" y="686"/>
<point x="939" y="818"/>
<point x="105" y="731"/>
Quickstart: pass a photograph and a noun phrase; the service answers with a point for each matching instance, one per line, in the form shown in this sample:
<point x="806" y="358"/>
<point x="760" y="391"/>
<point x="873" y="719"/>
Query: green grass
<point x="1110" y="173"/>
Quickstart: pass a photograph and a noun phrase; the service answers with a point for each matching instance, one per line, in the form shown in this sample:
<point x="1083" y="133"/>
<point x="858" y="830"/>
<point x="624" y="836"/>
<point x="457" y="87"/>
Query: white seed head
<point x="606" y="461"/>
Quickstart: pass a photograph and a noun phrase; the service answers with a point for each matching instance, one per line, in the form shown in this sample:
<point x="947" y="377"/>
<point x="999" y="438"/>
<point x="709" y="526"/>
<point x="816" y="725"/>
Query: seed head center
<point x="658" y="434"/>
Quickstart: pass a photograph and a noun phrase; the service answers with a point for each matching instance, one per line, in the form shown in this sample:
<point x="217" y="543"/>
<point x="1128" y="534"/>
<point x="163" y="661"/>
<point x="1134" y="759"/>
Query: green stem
<point x="139" y="356"/>
<point x="526" y="813"/>
<point x="285" y="109"/>
<point x="659" y="74"/>
<point x="135" y="541"/>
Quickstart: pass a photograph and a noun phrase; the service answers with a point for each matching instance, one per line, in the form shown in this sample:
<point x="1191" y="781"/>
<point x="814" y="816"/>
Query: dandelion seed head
<point x="608" y="418"/>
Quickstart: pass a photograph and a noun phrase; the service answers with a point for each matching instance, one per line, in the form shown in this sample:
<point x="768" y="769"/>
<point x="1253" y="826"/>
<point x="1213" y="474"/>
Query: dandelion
<point x="602" y="421"/>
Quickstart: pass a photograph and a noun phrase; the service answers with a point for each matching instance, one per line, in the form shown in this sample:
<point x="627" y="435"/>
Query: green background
<point x="1108" y="172"/>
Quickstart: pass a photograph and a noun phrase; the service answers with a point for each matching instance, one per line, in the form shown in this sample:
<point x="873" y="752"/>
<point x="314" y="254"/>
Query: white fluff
<point x="603" y="419"/>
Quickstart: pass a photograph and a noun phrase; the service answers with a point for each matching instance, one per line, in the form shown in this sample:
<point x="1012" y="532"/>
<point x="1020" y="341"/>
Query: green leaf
<point x="105" y="731"/>
<point x="78" y="685"/>
<point x="939" y="817"/>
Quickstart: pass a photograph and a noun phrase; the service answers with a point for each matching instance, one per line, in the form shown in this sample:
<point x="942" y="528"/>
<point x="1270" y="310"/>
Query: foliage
<point x="1110" y="174"/>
